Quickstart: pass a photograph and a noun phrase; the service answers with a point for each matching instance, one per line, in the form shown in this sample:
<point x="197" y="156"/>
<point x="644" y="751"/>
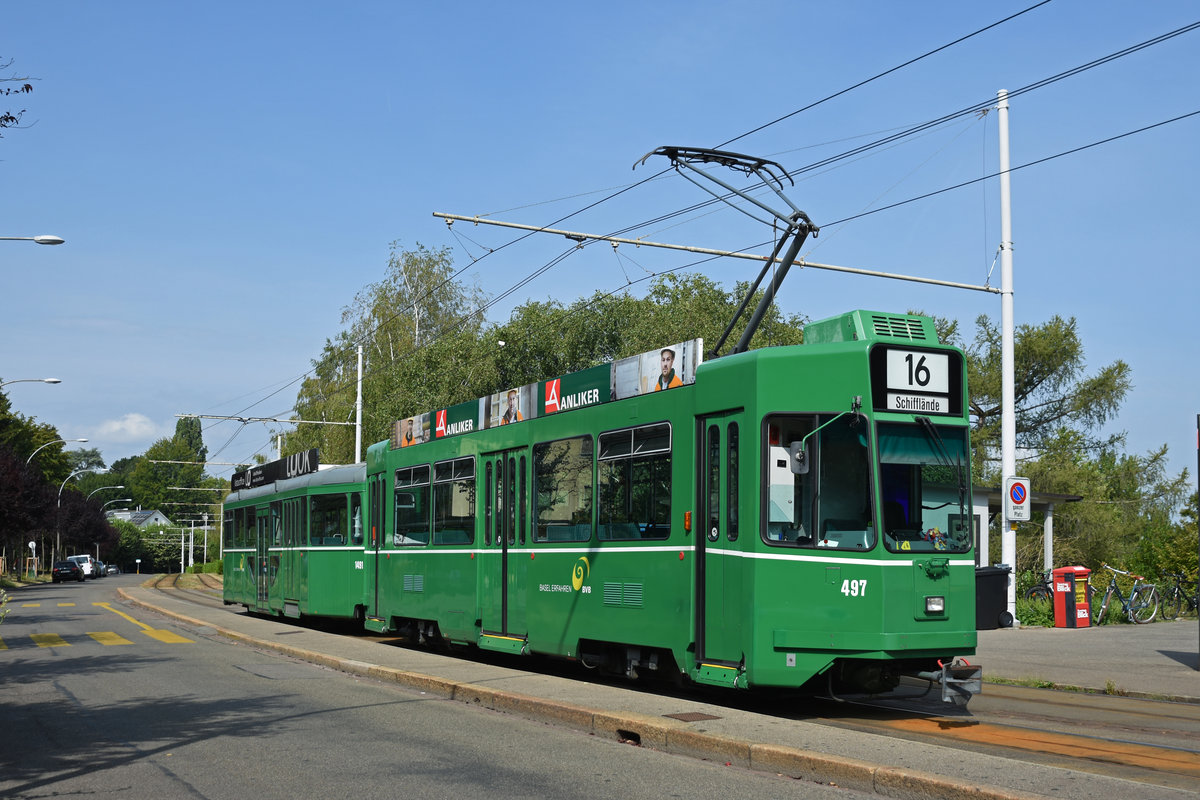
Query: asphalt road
<point x="100" y="698"/>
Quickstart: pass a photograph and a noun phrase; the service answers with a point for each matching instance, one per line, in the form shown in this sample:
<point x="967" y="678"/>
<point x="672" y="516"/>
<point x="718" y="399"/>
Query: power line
<point x="973" y="181"/>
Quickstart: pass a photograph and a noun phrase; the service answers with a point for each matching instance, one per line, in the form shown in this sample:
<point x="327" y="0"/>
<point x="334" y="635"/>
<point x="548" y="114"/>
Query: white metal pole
<point x="192" y="544"/>
<point x="358" y="413"/>
<point x="1008" y="422"/>
<point x="1048" y="539"/>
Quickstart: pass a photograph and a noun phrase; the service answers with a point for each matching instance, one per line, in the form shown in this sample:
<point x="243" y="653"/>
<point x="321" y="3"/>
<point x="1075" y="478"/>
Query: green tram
<point x="785" y="517"/>
<point x="293" y="542"/>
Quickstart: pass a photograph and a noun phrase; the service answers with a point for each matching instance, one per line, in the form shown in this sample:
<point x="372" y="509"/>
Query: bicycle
<point x="1142" y="605"/>
<point x="1177" y="598"/>
<point x="1041" y="591"/>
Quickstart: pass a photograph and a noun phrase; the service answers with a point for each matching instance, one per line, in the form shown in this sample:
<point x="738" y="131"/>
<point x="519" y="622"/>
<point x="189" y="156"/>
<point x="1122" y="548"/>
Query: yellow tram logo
<point x="580" y="573"/>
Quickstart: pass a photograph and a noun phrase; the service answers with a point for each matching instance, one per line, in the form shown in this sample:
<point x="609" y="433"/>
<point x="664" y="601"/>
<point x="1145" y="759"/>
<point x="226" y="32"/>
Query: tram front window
<point x="818" y="482"/>
<point x="923" y="488"/>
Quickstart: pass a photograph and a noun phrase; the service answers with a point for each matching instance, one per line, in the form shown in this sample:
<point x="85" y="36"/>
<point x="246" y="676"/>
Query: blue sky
<point x="228" y="175"/>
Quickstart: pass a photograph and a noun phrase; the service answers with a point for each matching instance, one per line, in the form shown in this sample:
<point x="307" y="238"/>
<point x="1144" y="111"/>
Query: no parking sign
<point x="1016" y="499"/>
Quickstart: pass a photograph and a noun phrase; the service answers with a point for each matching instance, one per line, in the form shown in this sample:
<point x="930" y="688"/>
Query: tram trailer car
<point x="798" y="517"/>
<point x="294" y="540"/>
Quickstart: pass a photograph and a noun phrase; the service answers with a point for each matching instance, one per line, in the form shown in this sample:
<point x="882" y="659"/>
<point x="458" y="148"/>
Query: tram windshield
<point x="923" y="487"/>
<point x="819" y="482"/>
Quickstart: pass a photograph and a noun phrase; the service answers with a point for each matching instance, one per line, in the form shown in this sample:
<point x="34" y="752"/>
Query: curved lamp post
<point x="47" y="444"/>
<point x="120" y="500"/>
<point x="58" y="511"/>
<point x="102" y="488"/>
<point x="31" y="380"/>
<point x="44" y="239"/>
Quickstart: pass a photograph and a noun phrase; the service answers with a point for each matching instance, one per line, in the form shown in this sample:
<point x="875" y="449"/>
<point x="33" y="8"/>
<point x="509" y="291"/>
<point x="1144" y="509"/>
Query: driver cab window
<point x="818" y="483"/>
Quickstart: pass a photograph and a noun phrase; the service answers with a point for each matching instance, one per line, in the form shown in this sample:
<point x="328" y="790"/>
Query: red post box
<point x="1070" y="586"/>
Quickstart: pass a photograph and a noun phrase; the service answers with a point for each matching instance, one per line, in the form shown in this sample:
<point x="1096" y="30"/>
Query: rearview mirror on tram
<point x="798" y="458"/>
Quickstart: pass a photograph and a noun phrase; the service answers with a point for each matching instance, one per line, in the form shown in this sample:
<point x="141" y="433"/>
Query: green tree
<point x="1126" y="516"/>
<point x="1051" y="391"/>
<point x="149" y="482"/>
<point x="189" y="432"/>
<point x="415" y="315"/>
<point x="85" y="458"/>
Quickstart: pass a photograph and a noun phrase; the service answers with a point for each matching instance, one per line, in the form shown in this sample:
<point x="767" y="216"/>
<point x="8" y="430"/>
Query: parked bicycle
<point x="1142" y="604"/>
<point x="1041" y="591"/>
<point x="1179" y="597"/>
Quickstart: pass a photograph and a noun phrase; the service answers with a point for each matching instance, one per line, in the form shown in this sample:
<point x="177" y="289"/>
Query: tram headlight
<point x="935" y="605"/>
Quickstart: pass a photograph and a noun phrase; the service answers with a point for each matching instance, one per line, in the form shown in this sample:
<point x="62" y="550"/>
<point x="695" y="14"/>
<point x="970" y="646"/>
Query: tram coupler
<point x="960" y="680"/>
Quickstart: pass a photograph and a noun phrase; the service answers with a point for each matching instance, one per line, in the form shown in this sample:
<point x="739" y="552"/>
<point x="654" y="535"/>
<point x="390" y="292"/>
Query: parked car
<point x="101" y="570"/>
<point x="66" y="571"/>
<point x="86" y="563"/>
<point x="112" y="569"/>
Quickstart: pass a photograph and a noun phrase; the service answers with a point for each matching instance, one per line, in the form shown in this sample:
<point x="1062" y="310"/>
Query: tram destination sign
<point x="913" y="381"/>
<point x="290" y="467"/>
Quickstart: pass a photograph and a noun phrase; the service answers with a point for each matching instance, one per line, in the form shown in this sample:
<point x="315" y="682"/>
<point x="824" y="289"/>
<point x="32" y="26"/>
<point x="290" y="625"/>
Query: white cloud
<point x="129" y="428"/>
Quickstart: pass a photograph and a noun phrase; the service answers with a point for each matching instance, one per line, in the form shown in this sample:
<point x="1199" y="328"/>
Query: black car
<point x="66" y="571"/>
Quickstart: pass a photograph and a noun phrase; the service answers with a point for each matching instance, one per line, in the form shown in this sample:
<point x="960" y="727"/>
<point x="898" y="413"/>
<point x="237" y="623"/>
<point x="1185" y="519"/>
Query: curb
<point x="657" y="734"/>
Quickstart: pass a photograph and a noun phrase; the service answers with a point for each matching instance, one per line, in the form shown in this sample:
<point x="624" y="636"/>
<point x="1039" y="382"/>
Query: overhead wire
<point x="700" y="205"/>
<point x="824" y="162"/>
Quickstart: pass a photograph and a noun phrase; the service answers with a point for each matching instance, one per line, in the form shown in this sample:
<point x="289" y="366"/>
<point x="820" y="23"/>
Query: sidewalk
<point x="1157" y="660"/>
<point x="690" y="726"/>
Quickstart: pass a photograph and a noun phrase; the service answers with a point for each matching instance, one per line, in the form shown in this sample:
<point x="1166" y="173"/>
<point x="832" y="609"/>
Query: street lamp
<point x="58" y="512"/>
<point x="44" y="239"/>
<point x="121" y="500"/>
<point x="102" y="488"/>
<point x="31" y="380"/>
<point x="47" y="444"/>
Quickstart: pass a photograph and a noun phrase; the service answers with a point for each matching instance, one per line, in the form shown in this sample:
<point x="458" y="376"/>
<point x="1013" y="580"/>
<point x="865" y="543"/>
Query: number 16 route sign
<point x="1016" y="499"/>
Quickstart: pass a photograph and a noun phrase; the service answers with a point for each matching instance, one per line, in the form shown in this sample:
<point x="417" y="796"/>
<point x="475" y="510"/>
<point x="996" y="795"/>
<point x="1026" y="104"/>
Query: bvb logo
<point x="580" y="573"/>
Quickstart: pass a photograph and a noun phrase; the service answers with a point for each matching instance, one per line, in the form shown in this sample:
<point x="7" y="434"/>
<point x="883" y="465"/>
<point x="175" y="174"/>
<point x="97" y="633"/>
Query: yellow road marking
<point x="31" y="605"/>
<point x="3" y="646"/>
<point x="160" y="635"/>
<point x="108" y="637"/>
<point x="108" y="607"/>
<point x="65" y="605"/>
<point x="49" y="640"/>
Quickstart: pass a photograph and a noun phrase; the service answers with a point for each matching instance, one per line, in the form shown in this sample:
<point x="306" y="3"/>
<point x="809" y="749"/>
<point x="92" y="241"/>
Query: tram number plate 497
<point x="854" y="588"/>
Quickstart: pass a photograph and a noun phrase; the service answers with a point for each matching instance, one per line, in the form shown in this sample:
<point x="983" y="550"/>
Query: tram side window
<point x="635" y="483"/>
<point x="250" y="529"/>
<point x="411" y="522"/>
<point x="454" y="501"/>
<point x="562" y="484"/>
<point x="356" y="518"/>
<point x="228" y="532"/>
<point x="329" y="520"/>
<point x="818" y="483"/>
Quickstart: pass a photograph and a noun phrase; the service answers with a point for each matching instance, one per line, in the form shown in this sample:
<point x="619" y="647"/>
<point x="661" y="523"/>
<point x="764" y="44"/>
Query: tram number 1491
<point x="856" y="588"/>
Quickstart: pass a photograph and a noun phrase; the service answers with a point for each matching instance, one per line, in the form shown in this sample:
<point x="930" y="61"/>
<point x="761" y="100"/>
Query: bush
<point x="1035" y="612"/>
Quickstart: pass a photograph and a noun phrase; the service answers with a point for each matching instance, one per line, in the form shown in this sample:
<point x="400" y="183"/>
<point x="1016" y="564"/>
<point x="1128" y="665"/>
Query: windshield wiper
<point x="942" y="453"/>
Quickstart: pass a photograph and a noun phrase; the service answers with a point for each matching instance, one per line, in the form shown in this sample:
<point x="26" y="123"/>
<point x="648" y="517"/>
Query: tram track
<point x="1150" y="742"/>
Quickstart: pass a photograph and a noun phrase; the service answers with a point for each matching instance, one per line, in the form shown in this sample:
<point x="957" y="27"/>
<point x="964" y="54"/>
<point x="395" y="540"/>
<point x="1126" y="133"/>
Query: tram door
<point x="720" y="606"/>
<point x="264" y="569"/>
<point x="376" y="493"/>
<point x="505" y="521"/>
<point x="292" y="560"/>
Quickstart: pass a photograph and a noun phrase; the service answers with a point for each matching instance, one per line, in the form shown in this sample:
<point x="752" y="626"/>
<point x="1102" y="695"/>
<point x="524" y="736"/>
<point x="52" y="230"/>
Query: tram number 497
<point x="854" y="588"/>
